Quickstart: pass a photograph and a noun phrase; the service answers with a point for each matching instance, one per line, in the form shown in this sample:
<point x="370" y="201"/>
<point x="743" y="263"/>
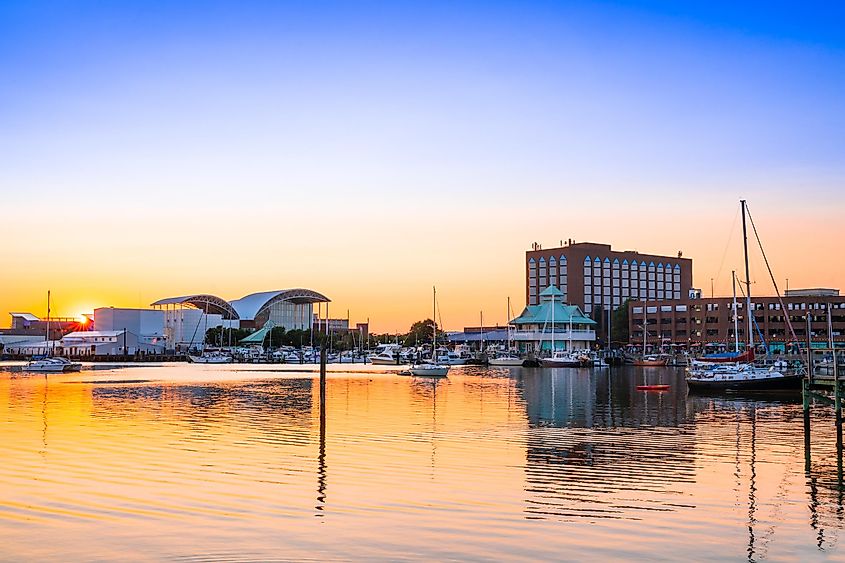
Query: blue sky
<point x="523" y="119"/>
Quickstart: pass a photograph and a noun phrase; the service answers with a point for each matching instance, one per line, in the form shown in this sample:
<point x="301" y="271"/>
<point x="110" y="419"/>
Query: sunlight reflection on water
<point x="233" y="462"/>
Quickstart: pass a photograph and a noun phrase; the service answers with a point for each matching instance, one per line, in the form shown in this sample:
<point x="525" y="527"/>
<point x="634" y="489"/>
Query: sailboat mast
<point x="749" y="312"/>
<point x="736" y="320"/>
<point x="508" y="323"/>
<point x="434" y="324"/>
<point x="47" y="339"/>
<point x="645" y="323"/>
<point x="553" y="323"/>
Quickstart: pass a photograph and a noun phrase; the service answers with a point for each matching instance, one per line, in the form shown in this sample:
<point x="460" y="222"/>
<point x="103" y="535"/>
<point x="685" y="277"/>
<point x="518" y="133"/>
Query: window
<point x="666" y="308"/>
<point x="651" y="310"/>
<point x="638" y="310"/>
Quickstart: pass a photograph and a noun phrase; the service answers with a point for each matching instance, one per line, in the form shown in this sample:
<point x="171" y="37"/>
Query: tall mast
<point x="508" y="323"/>
<point x="48" y="323"/>
<point x="749" y="312"/>
<point x="645" y="323"/>
<point x="434" y="324"/>
<point x="553" y="323"/>
<point x="736" y="320"/>
<point x="482" y="330"/>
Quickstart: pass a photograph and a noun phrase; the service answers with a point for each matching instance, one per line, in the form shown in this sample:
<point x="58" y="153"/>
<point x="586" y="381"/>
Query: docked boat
<point x="52" y="365"/>
<point x="451" y="358"/>
<point x="210" y="358"/>
<point x="387" y="357"/>
<point x="507" y="359"/>
<point x="651" y="361"/>
<point x="743" y="377"/>
<point x="431" y="368"/>
<point x="564" y="359"/>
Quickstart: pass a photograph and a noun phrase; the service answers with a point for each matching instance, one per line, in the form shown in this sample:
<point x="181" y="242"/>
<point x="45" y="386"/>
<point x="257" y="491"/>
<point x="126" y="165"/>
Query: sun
<point x="82" y="319"/>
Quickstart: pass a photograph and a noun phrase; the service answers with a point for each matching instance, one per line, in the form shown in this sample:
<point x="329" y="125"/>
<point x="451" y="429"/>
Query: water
<point x="221" y="463"/>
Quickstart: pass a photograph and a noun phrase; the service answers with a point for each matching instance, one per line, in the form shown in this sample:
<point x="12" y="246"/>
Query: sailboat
<point x="562" y="358"/>
<point x="509" y="358"/>
<point x="215" y="357"/>
<point x="736" y="355"/>
<point x="651" y="360"/>
<point x="431" y="368"/>
<point x="51" y="364"/>
<point x="742" y="376"/>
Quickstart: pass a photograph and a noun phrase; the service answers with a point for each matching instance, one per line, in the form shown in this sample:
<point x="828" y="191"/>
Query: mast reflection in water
<point x="236" y="462"/>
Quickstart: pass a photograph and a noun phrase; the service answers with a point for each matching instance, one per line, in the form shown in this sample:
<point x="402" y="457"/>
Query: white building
<point x="148" y="324"/>
<point x="185" y="328"/>
<point x="92" y="343"/>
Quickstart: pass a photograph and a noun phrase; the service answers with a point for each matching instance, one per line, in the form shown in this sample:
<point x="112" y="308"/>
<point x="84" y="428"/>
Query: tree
<point x="620" y="323"/>
<point x="421" y="333"/>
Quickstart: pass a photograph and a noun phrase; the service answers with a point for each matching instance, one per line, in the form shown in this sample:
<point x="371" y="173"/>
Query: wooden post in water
<point x="322" y="384"/>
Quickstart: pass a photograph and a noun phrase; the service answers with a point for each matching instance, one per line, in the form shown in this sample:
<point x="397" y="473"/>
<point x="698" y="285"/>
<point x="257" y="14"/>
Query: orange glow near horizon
<point x="383" y="270"/>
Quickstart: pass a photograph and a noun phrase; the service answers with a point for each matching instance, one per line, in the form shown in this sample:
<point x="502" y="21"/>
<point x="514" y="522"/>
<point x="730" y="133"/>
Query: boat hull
<point x="552" y="363"/>
<point x="429" y="371"/>
<point x="206" y="360"/>
<point x="787" y="382"/>
<point x="508" y="362"/>
<point x="650" y="363"/>
<point x="383" y="362"/>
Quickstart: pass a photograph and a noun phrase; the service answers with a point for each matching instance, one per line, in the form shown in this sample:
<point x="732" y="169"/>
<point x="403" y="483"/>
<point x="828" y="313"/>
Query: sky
<point x="371" y="150"/>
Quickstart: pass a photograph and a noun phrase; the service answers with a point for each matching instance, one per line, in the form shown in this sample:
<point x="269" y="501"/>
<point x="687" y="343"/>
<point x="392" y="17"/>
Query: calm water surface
<point x="233" y="463"/>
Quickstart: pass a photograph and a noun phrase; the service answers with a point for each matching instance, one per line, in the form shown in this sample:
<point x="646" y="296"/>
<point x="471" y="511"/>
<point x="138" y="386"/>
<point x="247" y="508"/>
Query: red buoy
<point x="652" y="387"/>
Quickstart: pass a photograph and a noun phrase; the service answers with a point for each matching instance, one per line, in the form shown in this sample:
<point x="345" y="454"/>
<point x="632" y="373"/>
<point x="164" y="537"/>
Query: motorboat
<point x="743" y="377"/>
<point x="55" y="364"/>
<point x="210" y="358"/>
<point x="292" y="358"/>
<point x="507" y="359"/>
<point x="452" y="359"/>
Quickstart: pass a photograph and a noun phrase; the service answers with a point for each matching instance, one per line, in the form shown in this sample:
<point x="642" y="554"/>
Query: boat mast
<point x="508" y="323"/>
<point x="482" y="331"/>
<point x="553" y="324"/>
<point x="48" y="324"/>
<point x="736" y="321"/>
<point x="645" y="323"/>
<point x="749" y="312"/>
<point x="434" y="325"/>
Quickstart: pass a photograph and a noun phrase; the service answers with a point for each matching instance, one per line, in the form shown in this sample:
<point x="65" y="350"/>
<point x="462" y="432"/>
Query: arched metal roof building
<point x="211" y="303"/>
<point x="291" y="308"/>
<point x="252" y="306"/>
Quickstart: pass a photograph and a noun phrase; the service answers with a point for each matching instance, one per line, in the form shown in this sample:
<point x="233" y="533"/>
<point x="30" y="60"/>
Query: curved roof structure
<point x="249" y="307"/>
<point x="216" y="305"/>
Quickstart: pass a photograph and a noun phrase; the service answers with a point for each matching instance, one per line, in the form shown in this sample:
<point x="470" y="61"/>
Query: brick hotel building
<point x="593" y="275"/>
<point x="709" y="320"/>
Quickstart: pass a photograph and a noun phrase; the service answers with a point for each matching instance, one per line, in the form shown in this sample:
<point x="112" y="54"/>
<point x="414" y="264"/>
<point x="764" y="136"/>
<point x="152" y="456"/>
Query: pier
<point x="824" y="383"/>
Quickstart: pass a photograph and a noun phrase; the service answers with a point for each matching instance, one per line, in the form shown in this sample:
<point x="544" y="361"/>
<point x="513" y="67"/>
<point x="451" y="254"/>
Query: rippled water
<point x="233" y="462"/>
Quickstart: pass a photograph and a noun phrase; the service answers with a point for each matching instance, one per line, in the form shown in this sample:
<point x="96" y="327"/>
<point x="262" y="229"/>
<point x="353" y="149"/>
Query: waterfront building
<point x="292" y="309"/>
<point x="147" y="324"/>
<point x="592" y="276"/>
<point x="698" y="322"/>
<point x="553" y="321"/>
<point x="91" y="343"/>
<point x="187" y="317"/>
<point x="473" y="336"/>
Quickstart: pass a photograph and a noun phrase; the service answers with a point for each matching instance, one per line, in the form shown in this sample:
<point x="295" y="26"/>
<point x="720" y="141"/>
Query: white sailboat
<point x="51" y="364"/>
<point x="215" y="357"/>
<point x="431" y="368"/>
<point x="562" y="358"/>
<point x="509" y="358"/>
<point x="743" y="376"/>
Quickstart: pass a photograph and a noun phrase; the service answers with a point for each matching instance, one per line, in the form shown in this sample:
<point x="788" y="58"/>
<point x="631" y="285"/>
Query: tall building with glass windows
<point x="593" y="276"/>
